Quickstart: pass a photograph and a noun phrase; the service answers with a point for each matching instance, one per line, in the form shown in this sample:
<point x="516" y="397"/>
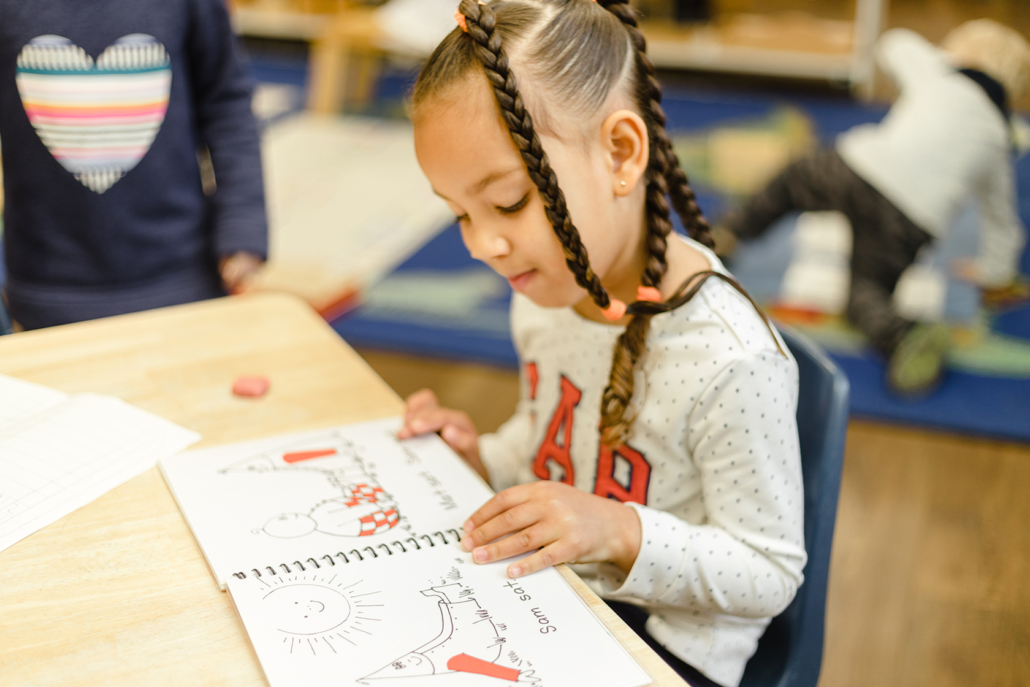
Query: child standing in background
<point x="104" y="109"/>
<point x="655" y="441"/>
<point x="902" y="182"/>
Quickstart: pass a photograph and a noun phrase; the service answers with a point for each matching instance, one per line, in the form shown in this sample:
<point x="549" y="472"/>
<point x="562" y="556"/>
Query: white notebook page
<point x="273" y="500"/>
<point x="430" y="617"/>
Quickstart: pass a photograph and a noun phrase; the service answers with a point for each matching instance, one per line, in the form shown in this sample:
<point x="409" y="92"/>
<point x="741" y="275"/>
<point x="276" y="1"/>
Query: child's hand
<point x="425" y="414"/>
<point x="238" y="271"/>
<point x="566" y="524"/>
<point x="965" y="269"/>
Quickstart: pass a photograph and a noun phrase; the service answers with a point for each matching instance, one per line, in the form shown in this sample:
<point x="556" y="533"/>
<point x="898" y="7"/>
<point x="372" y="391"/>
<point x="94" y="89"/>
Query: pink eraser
<point x="251" y="386"/>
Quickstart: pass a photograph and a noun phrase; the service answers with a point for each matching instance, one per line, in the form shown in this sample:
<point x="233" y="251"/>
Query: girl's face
<point x="466" y="151"/>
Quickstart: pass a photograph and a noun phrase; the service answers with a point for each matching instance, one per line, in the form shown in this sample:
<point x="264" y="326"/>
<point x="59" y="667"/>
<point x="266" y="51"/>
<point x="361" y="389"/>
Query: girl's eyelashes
<point x="511" y="209"/>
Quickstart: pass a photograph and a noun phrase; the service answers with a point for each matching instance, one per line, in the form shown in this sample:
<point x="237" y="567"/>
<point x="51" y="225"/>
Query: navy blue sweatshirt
<point x="104" y="105"/>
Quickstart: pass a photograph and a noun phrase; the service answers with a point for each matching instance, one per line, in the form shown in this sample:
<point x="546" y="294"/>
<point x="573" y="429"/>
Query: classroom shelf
<point x="280" y="23"/>
<point x="793" y="44"/>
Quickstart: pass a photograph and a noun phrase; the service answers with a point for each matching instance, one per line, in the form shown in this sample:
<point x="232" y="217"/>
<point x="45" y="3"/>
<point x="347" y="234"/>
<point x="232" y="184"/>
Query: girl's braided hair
<point x="577" y="52"/>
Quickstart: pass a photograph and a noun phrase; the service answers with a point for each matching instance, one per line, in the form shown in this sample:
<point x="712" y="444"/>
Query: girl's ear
<point x="624" y="136"/>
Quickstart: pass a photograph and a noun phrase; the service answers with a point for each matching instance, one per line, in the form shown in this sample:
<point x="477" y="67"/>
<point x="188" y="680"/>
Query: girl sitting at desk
<point x="655" y="436"/>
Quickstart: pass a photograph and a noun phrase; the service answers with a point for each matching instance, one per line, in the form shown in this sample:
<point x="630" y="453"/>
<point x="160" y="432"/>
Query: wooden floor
<point x="931" y="562"/>
<point x="930" y="577"/>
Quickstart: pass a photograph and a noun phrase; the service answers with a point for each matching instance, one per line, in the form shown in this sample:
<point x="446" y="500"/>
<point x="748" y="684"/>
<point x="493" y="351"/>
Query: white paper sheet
<point x="283" y="499"/>
<point x="20" y="399"/>
<point x="426" y="616"/>
<point x="59" y="453"/>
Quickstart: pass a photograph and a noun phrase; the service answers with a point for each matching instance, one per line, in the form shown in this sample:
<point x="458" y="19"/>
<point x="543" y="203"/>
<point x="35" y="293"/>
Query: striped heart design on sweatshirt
<point x="98" y="119"/>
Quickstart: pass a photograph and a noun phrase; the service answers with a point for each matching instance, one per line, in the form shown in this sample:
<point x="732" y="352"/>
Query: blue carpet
<point x="966" y="403"/>
<point x="399" y="316"/>
<point x="476" y="331"/>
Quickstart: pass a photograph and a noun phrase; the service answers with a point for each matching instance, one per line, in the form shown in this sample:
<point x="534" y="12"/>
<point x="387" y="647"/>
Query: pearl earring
<point x="622" y="183"/>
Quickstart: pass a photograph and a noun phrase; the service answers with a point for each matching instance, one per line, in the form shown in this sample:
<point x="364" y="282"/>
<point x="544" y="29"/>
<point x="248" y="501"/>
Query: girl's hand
<point x="425" y="414"/>
<point x="238" y="272"/>
<point x="566" y="524"/>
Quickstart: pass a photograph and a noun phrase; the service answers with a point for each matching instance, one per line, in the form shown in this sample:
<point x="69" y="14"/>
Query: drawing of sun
<point x="318" y="612"/>
<point x="308" y="609"/>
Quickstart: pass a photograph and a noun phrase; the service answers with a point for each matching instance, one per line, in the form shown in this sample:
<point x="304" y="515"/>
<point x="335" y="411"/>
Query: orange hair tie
<point x="649" y="293"/>
<point x="615" y="311"/>
<point x="460" y="18"/>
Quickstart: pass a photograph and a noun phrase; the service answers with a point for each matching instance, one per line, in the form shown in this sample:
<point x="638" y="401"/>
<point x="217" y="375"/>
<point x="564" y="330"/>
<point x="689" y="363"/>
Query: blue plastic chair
<point x="790" y="652"/>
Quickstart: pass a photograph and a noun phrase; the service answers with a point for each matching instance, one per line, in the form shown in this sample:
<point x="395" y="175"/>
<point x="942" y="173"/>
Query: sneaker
<point x="1013" y="295"/>
<point x="917" y="366"/>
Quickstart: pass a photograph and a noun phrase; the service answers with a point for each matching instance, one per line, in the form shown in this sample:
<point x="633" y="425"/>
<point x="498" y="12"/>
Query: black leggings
<point x="885" y="240"/>
<point x="635" y="617"/>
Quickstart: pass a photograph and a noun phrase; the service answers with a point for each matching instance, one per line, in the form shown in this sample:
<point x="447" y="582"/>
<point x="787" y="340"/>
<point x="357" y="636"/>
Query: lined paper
<point x="20" y="399"/>
<point x="58" y="453"/>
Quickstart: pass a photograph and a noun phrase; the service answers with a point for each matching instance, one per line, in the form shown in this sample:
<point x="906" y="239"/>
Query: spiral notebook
<point x="339" y="550"/>
<point x="418" y="612"/>
<point x="321" y="493"/>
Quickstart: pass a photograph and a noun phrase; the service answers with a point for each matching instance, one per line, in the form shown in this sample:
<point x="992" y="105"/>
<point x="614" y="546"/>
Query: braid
<point x="685" y="202"/>
<point x="630" y="346"/>
<point x="480" y="22"/>
<point x="683" y="198"/>
<point x="659" y="225"/>
<point x="616" y="422"/>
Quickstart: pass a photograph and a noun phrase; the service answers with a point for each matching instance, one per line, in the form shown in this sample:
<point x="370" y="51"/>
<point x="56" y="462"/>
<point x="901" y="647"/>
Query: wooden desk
<point x="118" y="592"/>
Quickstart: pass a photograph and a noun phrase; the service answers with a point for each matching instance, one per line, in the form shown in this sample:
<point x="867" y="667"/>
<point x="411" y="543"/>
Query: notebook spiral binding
<point x="398" y="546"/>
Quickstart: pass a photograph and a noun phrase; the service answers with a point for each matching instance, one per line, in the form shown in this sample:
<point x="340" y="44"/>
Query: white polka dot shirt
<point x="712" y="464"/>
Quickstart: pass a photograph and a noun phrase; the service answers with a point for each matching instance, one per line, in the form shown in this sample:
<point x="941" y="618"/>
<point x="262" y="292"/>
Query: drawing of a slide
<point x="468" y="642"/>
